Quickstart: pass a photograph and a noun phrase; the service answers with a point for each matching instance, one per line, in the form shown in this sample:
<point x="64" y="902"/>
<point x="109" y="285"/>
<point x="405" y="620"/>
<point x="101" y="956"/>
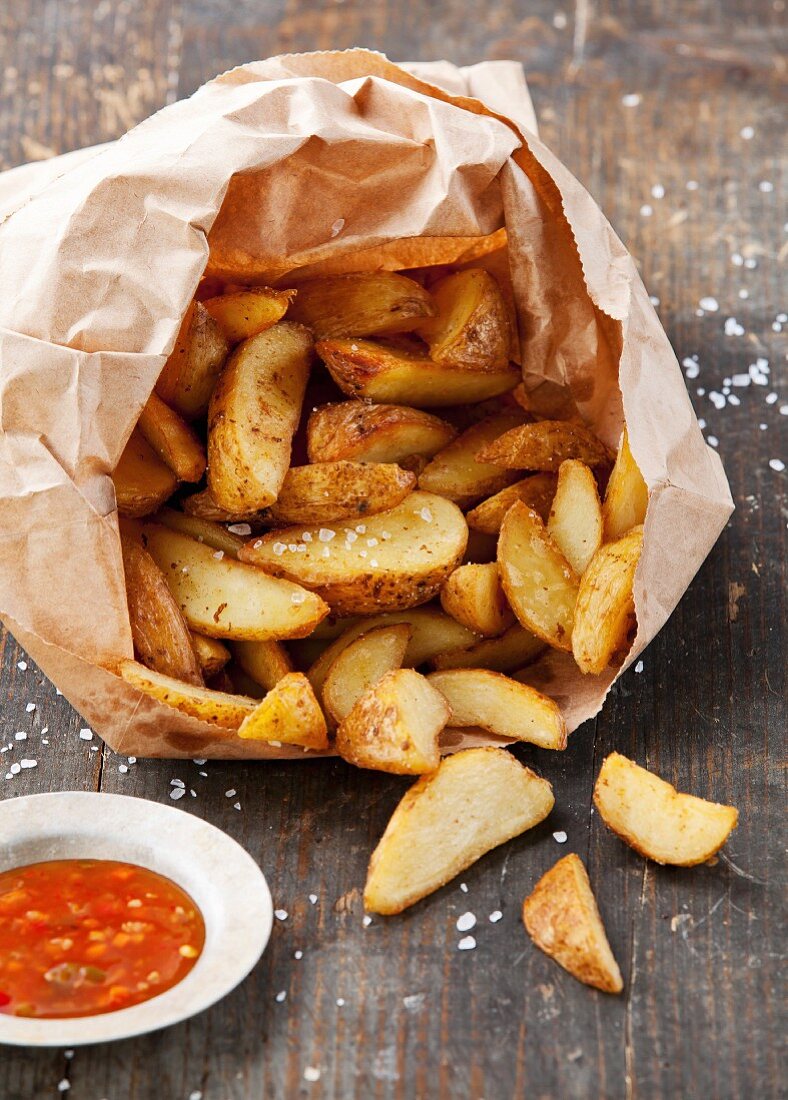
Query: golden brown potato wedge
<point x="211" y="654"/>
<point x="539" y="582"/>
<point x="655" y="819"/>
<point x="190" y="373"/>
<point x="204" y="530"/>
<point x="216" y="707"/>
<point x="485" y="791"/>
<point x="626" y="497"/>
<point x="456" y="473"/>
<point x="325" y="492"/>
<point x="536" y="491"/>
<point x="474" y="596"/>
<point x="357" y="432"/>
<point x="361" y="304"/>
<point x="288" y="715"/>
<point x="470" y="328"/>
<point x="513" y="649"/>
<point x="246" y="313"/>
<point x="605" y="611"/>
<point x="142" y="481"/>
<point x="431" y="632"/>
<point x="363" y="368"/>
<point x="254" y="411"/>
<point x="225" y="598"/>
<point x="393" y="560"/>
<point x="361" y="664"/>
<point x="562" y="918"/>
<point x="160" y="635"/>
<point x="394" y="725"/>
<point x="173" y="440"/>
<point x="265" y="662"/>
<point x="479" y="697"/>
<point x="202" y="506"/>
<point x="576" y="515"/>
<point x="544" y="446"/>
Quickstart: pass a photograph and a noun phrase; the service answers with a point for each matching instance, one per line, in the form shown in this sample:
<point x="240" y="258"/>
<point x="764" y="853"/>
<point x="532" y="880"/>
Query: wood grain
<point x="393" y="1009"/>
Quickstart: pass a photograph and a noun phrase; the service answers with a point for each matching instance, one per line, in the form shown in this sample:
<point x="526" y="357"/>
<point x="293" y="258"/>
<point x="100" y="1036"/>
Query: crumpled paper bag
<point x="325" y="162"/>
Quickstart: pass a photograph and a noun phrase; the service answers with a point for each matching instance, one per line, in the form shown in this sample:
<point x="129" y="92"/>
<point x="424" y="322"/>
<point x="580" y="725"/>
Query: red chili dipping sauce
<point x="79" y="937"/>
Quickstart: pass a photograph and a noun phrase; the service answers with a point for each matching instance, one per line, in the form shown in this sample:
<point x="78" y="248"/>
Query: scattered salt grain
<point x="559" y="21"/>
<point x="298" y="597"/>
<point x="777" y="464"/>
<point x="176" y="793"/>
<point x="87" y="735"/>
<point x="361" y="529"/>
<point x="64" y="1085"/>
<point x="298" y="955"/>
<point x="646" y="211"/>
<point x="771" y="398"/>
<point x="631" y="99"/>
<point x="123" y="768"/>
<point x="712" y="441"/>
<point x="717" y="399"/>
<point x="132" y="759"/>
<point x="710" y="305"/>
<point x="560" y="837"/>
<point x="195" y="1095"/>
<point x="203" y="774"/>
<point x="372" y="542"/>
<point x="337" y="227"/>
<point x="340" y="1002"/>
<point x="734" y="400"/>
<point x="467" y="943"/>
<point x="313" y="899"/>
<point x="464" y="888"/>
<point x="68" y="1055"/>
<point x="740" y="380"/>
<point x="750" y="263"/>
<point x="658" y="191"/>
<point x="20" y="735"/>
<point x="495" y="916"/>
<point x="219" y="555"/>
<point x="733" y="328"/>
<point x="306" y="536"/>
<point x="373" y="562"/>
<point x="747" y="132"/>
<point x="29" y="763"/>
<point x="783" y="410"/>
<point x="231" y="793"/>
<point x="311" y="1073"/>
<point x="240" y="528"/>
<point x="737" y="259"/>
<point x="766" y="186"/>
<point x="280" y="914"/>
<point x="199" y="761"/>
<point x="366" y="921"/>
<point x="362" y="553"/>
<point x="177" y="783"/>
<point x="236" y="805"/>
<point x="281" y="996"/>
<point x="691" y="368"/>
<point x="426" y="515"/>
<point x="744" y="294"/>
<point x="653" y="299"/>
<point x="466" y="922"/>
<point x="638" y="666"/>
<point x="22" y="666"/>
<point x="692" y="185"/>
<point x="30" y="708"/>
<point x="279" y="548"/>
<point x="385" y="534"/>
<point x="258" y="543"/>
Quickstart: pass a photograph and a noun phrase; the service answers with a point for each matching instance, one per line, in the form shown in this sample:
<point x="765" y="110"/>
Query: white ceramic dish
<point x="220" y="876"/>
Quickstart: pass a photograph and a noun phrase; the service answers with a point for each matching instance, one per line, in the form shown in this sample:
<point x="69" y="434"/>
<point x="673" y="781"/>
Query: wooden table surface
<point x="668" y="111"/>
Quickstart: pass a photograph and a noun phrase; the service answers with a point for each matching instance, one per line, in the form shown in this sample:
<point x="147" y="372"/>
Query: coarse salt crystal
<point x="195" y="1095"/>
<point x="750" y="263"/>
<point x="385" y="534"/>
<point x="123" y="768"/>
<point x="744" y="294"/>
<point x="362" y="553"/>
<point x="495" y="916"/>
<point x="712" y="441"/>
<point x="30" y="708"/>
<point x="559" y="21"/>
<point x="771" y="398"/>
<point x="737" y="259"/>
<point x="350" y="536"/>
<point x="631" y="99"/>
<point x="717" y="399"/>
<point x="176" y="793"/>
<point x="20" y="735"/>
<point x="560" y="836"/>
<point x="658" y="191"/>
<point x="281" y="996"/>
<point x="466" y="922"/>
<point x="366" y="921"/>
<point x="692" y="185"/>
<point x="733" y="328"/>
<point x="740" y="380"/>
<point x="340" y="1002"/>
<point x="734" y="400"/>
<point x="313" y="899"/>
<point x="257" y="543"/>
<point x="783" y="410"/>
<point x="306" y="536"/>
<point x="64" y="1085"/>
<point x="464" y="888"/>
<point x="231" y="793"/>
<point x="29" y="763"/>
<point x="646" y="211"/>
<point x="279" y="548"/>
<point x="747" y="132"/>
<point x="362" y="529"/>
<point x="776" y="464"/>
<point x="373" y="562"/>
<point x="236" y="805"/>
<point x="766" y="186"/>
<point x="86" y="735"/>
<point x="298" y="597"/>
<point x="292" y="547"/>
<point x="280" y="914"/>
<point x="22" y="666"/>
<point x="311" y="1073"/>
<point x="638" y="666"/>
<point x="132" y="759"/>
<point x="199" y="761"/>
<point x="467" y="943"/>
<point x="240" y="528"/>
<point x="219" y="555"/>
<point x="710" y="305"/>
<point x="177" y="783"/>
<point x="298" y="954"/>
<point x="426" y="515"/>
<point x="372" y="542"/>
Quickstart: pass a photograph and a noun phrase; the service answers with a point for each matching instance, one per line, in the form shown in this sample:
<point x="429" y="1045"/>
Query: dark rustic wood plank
<point x="699" y="948"/>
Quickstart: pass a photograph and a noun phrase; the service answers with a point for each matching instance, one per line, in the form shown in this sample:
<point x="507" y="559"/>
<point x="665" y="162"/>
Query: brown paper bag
<point x="329" y="161"/>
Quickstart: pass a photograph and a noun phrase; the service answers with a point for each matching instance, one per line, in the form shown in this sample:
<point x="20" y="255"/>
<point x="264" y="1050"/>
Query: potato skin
<point x="544" y="446"/>
<point x="142" y="481"/>
<point x="356" y="431"/>
<point x="190" y="373"/>
<point x="605" y="607"/>
<point x="361" y="304"/>
<point x="471" y="327"/>
<point x="473" y="595"/>
<point x="324" y="492"/>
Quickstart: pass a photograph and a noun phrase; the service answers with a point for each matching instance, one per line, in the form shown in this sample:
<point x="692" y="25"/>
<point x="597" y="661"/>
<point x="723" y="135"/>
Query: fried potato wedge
<point x="253" y="415"/>
<point x="190" y="373"/>
<point x="160" y="635"/>
<point x="216" y="707"/>
<point x="431" y="632"/>
<point x="142" y="481"/>
<point x="626" y="496"/>
<point x="394" y="726"/>
<point x="225" y="598"/>
<point x="356" y="432"/>
<point x="456" y="473"/>
<point x="211" y="654"/>
<point x="474" y="596"/>
<point x="562" y="918"/>
<point x="265" y="662"/>
<point x="204" y="530"/>
<point x="361" y="664"/>
<point x="655" y="819"/>
<point x="203" y="506"/>
<point x="513" y="649"/>
<point x="493" y="702"/>
<point x="363" y="368"/>
<point x="544" y="446"/>
<point x="605" y="610"/>
<point x="246" y="313"/>
<point x="173" y="440"/>
<point x="393" y="560"/>
<point x="361" y="304"/>
<point x="486" y="791"/>
<point x="536" y="491"/>
<point x="289" y="714"/>
<point x="470" y="328"/>
<point x="539" y="582"/>
<point x="576" y="515"/>
<point x="325" y="492"/>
